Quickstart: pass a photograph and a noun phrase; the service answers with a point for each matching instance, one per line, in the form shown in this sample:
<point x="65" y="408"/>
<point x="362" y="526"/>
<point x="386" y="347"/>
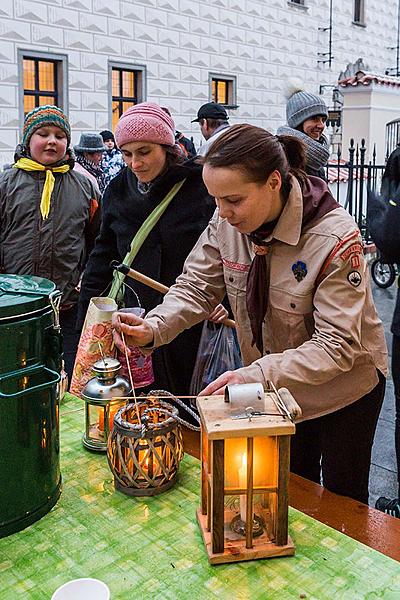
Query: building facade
<point x="94" y="58"/>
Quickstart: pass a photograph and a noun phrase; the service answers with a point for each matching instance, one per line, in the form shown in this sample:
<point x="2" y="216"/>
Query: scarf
<point x="27" y="164"/>
<point x="317" y="151"/>
<point x="317" y="202"/>
<point x="95" y="170"/>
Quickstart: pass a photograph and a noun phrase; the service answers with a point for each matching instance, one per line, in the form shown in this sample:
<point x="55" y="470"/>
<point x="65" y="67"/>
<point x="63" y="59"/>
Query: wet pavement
<point x="383" y="476"/>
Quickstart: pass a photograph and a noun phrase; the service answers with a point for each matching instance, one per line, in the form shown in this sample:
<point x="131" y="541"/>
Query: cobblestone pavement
<point x="383" y="476"/>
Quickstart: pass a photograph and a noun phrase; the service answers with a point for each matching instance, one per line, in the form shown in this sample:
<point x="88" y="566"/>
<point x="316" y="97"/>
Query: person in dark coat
<point x="306" y="115"/>
<point x="383" y="220"/>
<point x="146" y="136"/>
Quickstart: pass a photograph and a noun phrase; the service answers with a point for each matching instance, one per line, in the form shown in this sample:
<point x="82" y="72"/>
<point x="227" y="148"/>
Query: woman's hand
<point x="219" y="314"/>
<point x="135" y="329"/>
<point x="217" y="387"/>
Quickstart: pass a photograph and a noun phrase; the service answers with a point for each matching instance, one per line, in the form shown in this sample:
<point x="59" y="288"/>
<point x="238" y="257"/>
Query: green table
<point x="151" y="548"/>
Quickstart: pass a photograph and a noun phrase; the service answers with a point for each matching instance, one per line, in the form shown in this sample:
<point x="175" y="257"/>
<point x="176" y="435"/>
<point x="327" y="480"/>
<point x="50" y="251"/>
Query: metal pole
<point x="330" y="33"/>
<point x="398" y="41"/>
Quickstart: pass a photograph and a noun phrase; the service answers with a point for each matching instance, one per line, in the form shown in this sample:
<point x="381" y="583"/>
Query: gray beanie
<point x="302" y="105"/>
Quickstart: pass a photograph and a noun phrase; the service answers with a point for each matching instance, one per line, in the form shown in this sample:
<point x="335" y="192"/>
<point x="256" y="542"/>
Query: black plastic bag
<point x="218" y="352"/>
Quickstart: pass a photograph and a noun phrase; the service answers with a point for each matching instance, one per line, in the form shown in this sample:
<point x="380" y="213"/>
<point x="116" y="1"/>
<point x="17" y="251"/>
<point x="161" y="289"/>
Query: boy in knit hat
<point x="306" y="115"/>
<point x="42" y="193"/>
<point x="113" y="161"/>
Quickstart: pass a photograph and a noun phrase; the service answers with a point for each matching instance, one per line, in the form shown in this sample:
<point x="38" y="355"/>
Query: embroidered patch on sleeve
<point x="353" y="249"/>
<point x="354" y="277"/>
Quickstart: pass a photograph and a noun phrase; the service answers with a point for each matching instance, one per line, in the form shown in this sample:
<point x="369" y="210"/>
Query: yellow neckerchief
<point x="28" y="164"/>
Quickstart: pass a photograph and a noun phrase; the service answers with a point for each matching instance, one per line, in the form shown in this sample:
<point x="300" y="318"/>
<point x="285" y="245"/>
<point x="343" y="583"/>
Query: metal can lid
<point x="20" y="294"/>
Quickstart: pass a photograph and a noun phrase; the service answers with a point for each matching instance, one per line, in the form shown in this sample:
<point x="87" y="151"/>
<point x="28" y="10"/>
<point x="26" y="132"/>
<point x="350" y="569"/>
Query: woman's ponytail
<point x="295" y="151"/>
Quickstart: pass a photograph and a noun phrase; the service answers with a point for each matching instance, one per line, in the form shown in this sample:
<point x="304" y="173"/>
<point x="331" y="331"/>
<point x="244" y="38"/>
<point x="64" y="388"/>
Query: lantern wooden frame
<point x="218" y="426"/>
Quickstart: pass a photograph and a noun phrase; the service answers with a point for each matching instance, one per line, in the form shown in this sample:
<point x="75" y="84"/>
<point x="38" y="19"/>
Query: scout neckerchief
<point x="27" y="164"/>
<point x="317" y="202"/>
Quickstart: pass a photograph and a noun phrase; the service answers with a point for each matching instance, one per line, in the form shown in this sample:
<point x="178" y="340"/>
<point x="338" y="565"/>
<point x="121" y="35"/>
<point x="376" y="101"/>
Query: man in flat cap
<point x="213" y="120"/>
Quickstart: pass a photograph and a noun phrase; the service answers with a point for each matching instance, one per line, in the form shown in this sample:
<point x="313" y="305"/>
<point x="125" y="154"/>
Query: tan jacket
<point x="322" y="337"/>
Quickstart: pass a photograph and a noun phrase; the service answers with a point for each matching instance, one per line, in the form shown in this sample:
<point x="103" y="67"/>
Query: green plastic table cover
<point x="151" y="548"/>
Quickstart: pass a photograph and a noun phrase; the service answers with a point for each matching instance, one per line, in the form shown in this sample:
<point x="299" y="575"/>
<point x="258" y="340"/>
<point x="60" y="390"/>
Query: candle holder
<point x="145" y="447"/>
<point x="104" y="395"/>
<point x="245" y="444"/>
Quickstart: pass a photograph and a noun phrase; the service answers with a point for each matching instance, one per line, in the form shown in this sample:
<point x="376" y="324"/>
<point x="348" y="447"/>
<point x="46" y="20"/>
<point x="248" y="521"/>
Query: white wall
<point x="180" y="42"/>
<point x="366" y="111"/>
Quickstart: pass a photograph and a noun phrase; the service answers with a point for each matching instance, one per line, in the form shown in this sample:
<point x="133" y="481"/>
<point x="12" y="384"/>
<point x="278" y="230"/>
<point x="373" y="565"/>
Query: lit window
<point x="223" y="90"/>
<point x="126" y="90"/>
<point x="40" y="82"/>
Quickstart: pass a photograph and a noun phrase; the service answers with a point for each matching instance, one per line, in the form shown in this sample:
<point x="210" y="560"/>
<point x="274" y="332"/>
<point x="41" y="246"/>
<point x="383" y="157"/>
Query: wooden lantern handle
<point x="290" y="403"/>
<point x="156" y="285"/>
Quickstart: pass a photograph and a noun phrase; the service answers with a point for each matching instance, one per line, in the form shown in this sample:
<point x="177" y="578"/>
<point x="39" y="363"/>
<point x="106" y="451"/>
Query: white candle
<point x="243" y="484"/>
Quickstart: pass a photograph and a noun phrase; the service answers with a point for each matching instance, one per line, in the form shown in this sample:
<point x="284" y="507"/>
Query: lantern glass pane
<point x="265" y="463"/>
<point x="96" y="422"/>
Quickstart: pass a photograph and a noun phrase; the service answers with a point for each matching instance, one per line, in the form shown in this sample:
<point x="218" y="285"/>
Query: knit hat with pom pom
<point x="302" y="105"/>
<point x="145" y="122"/>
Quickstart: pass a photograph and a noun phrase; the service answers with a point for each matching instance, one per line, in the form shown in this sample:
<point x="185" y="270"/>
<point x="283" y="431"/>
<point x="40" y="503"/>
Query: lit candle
<point x="112" y="412"/>
<point x="243" y="484"/>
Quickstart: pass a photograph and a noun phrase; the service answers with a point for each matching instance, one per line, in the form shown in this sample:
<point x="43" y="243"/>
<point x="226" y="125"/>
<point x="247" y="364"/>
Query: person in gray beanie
<point x="306" y="115"/>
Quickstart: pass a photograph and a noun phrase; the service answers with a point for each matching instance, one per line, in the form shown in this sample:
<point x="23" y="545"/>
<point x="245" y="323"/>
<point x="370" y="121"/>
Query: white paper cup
<point x="82" y="589"/>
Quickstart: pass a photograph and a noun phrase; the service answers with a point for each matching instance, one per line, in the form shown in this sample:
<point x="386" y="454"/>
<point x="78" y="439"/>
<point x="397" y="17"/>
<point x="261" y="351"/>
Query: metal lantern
<point x="245" y="445"/>
<point x="145" y="447"/>
<point x="104" y="395"/>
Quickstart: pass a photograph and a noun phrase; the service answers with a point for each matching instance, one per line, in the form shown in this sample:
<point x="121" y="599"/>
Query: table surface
<point x="151" y="548"/>
<point x="359" y="521"/>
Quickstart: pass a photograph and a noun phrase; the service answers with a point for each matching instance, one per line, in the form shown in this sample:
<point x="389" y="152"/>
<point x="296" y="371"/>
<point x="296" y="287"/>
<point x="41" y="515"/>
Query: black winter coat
<point x="161" y="257"/>
<point x="383" y="221"/>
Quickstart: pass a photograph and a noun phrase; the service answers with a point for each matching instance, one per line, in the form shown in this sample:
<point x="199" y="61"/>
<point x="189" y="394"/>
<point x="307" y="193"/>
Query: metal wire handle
<point x="164" y="393"/>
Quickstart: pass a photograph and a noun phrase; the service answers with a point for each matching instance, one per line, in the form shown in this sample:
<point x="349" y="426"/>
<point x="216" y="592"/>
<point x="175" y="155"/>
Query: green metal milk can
<point x="30" y="364"/>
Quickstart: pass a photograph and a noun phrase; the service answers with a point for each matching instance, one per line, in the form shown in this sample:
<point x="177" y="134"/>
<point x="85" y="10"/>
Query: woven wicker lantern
<point x="245" y="473"/>
<point x="145" y="447"/>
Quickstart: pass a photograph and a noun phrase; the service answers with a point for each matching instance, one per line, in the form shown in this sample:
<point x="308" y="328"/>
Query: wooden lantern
<point x="245" y="475"/>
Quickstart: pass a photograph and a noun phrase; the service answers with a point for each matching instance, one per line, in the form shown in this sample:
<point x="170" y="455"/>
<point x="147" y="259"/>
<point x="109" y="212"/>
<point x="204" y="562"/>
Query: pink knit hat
<point x="145" y="122"/>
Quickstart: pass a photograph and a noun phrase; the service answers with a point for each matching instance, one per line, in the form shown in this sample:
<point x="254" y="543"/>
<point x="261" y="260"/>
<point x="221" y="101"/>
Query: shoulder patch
<point x="353" y="249"/>
<point x="354" y="277"/>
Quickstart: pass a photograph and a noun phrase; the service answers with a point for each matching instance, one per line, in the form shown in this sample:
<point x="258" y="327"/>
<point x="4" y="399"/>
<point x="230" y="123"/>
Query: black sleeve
<point x="383" y="222"/>
<point x="98" y="273"/>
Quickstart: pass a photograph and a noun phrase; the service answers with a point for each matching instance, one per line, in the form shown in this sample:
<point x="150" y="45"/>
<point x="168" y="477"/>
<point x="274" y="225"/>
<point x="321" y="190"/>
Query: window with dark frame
<point x="125" y="91"/>
<point x="358" y="11"/>
<point x="40" y="82"/>
<point x="220" y="90"/>
<point x="223" y="90"/>
<point x="297" y="2"/>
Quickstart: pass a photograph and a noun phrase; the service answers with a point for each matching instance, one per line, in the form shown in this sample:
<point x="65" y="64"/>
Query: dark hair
<point x="257" y="153"/>
<point x="174" y="155"/>
<point x="214" y="123"/>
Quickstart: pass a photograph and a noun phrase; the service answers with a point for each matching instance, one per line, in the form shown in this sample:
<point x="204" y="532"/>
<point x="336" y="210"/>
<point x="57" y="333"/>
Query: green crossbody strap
<point x="141" y="236"/>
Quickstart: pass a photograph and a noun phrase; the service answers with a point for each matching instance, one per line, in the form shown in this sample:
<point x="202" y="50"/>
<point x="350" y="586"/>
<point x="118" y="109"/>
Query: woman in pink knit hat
<point x="145" y="134"/>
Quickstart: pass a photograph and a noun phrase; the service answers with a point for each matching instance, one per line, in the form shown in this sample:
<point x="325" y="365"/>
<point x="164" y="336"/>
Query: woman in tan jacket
<point x="291" y="261"/>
